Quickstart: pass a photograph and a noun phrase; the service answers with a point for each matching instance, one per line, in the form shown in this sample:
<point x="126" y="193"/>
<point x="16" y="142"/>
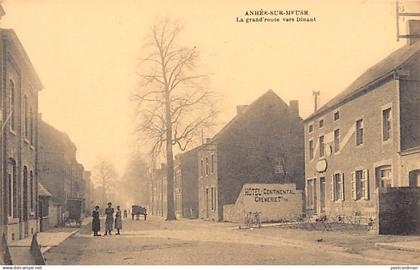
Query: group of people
<point x="109" y="220"/>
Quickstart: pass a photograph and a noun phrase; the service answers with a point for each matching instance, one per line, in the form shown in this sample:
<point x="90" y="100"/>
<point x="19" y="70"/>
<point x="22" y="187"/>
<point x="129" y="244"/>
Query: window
<point x="338" y="187"/>
<point x="360" y="185"/>
<point x="321" y="146"/>
<point x="12" y="189"/>
<point x="359" y="132"/>
<point x="31" y="190"/>
<point x="311" y="149"/>
<point x="26" y="115"/>
<point x="310" y="128"/>
<point x="31" y="125"/>
<point x="336" y="140"/>
<point x="212" y="163"/>
<point x="211" y="198"/>
<point x="207" y="166"/>
<point x="202" y="167"/>
<point x="384" y="176"/>
<point x="386" y="124"/>
<point x="336" y="116"/>
<point x="321" y="123"/>
<point x="12" y="106"/>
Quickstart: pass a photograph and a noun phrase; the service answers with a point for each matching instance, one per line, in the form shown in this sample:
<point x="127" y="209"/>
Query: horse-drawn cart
<point x="137" y="210"/>
<point x="74" y="213"/>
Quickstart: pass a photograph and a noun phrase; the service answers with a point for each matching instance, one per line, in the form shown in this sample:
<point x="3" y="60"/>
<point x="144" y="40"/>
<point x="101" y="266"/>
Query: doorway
<point x="25" y="202"/>
<point x="322" y="194"/>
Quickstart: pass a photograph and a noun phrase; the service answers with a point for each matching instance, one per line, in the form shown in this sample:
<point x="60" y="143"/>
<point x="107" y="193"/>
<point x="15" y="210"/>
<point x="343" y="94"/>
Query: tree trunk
<point x="170" y="214"/>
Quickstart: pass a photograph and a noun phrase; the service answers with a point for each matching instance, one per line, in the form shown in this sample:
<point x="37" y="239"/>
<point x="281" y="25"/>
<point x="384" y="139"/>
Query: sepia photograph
<point x="210" y="133"/>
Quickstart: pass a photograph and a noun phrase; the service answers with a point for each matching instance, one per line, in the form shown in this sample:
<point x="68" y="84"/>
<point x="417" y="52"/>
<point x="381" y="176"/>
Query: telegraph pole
<point x="403" y="14"/>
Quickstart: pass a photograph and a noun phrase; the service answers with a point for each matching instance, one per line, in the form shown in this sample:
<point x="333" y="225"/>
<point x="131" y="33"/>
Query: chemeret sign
<point x="274" y="202"/>
<point x="268" y="194"/>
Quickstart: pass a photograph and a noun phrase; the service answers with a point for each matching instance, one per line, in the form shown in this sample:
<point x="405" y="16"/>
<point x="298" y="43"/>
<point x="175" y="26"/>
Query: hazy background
<point x="86" y="53"/>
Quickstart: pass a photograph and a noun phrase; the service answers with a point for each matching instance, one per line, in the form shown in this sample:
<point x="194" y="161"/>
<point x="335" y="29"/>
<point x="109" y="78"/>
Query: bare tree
<point x="105" y="174"/>
<point x="173" y="106"/>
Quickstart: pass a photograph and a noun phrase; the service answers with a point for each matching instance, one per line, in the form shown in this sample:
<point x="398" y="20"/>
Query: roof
<point x="42" y="191"/>
<point x="269" y="95"/>
<point x="377" y="72"/>
<point x="10" y="35"/>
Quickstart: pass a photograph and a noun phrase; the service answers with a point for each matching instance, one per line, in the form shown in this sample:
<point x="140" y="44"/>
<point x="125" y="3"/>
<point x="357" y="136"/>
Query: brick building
<point x="158" y="192"/>
<point x="19" y="106"/>
<point x="59" y="170"/>
<point x="366" y="139"/>
<point x="263" y="143"/>
<point x="186" y="184"/>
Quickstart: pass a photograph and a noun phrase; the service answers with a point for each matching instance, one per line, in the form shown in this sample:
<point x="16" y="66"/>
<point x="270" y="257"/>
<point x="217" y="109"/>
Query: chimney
<point x="241" y="108"/>
<point x="294" y="107"/>
<point x="316" y="99"/>
<point x="413" y="31"/>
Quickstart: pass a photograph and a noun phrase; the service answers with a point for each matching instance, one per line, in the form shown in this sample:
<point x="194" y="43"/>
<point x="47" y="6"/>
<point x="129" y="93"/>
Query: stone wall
<point x="274" y="202"/>
<point x="398" y="210"/>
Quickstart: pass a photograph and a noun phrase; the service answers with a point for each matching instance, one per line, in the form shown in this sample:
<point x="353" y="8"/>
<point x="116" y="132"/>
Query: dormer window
<point x="321" y="123"/>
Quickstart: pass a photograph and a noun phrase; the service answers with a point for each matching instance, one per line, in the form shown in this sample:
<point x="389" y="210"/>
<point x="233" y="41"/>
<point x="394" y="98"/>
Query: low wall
<point x="399" y="210"/>
<point x="274" y="202"/>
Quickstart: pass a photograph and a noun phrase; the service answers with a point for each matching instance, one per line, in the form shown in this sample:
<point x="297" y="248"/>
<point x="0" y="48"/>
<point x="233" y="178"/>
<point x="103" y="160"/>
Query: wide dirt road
<point x="156" y="241"/>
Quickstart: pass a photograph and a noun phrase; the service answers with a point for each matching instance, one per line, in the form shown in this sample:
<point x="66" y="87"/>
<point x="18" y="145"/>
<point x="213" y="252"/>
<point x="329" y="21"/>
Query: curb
<point x="43" y="251"/>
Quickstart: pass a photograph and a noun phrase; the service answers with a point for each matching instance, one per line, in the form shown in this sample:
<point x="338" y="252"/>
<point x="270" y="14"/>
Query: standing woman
<point x="96" y="223"/>
<point x="118" y="220"/>
<point x="109" y="221"/>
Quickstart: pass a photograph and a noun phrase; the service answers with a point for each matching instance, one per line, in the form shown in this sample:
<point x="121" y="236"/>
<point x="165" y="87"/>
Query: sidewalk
<point x="46" y="239"/>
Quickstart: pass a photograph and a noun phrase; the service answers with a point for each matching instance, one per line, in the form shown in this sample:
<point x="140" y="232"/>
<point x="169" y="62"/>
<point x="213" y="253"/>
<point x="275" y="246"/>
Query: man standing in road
<point x="109" y="220"/>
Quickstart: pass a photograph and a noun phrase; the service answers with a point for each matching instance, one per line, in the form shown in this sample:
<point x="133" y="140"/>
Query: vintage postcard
<point x="186" y="132"/>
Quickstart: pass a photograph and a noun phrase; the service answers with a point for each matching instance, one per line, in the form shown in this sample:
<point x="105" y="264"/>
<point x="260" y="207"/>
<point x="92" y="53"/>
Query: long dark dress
<point x="118" y="220"/>
<point x="109" y="220"/>
<point x="96" y="223"/>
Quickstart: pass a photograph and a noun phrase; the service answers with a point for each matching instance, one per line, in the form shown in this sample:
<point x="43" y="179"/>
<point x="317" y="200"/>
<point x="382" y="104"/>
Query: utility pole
<point x="403" y="14"/>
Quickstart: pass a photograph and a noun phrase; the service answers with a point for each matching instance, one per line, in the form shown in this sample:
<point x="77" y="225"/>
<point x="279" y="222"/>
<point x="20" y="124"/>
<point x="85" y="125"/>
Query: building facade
<point x="263" y="143"/>
<point x="59" y="171"/>
<point x="158" y="192"/>
<point x="19" y="106"/>
<point x="366" y="139"/>
<point x="186" y="184"/>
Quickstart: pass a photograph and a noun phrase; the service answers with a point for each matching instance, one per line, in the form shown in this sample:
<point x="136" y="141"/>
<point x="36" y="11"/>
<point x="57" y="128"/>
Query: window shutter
<point x="353" y="186"/>
<point x="342" y="187"/>
<point x="366" y="183"/>
<point x="332" y="188"/>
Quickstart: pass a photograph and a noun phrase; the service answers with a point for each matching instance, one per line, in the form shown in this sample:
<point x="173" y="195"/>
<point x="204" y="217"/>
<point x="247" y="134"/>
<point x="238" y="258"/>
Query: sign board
<point x="273" y="202"/>
<point x="321" y="166"/>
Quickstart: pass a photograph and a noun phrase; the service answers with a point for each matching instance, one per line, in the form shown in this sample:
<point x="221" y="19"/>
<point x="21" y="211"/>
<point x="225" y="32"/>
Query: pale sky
<point x="86" y="52"/>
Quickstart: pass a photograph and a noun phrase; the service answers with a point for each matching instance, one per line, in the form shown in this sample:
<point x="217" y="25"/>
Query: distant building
<point x="365" y="139"/>
<point x="88" y="190"/>
<point x="263" y="143"/>
<point x="19" y="110"/>
<point x="59" y="170"/>
<point x="159" y="192"/>
<point x="186" y="184"/>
